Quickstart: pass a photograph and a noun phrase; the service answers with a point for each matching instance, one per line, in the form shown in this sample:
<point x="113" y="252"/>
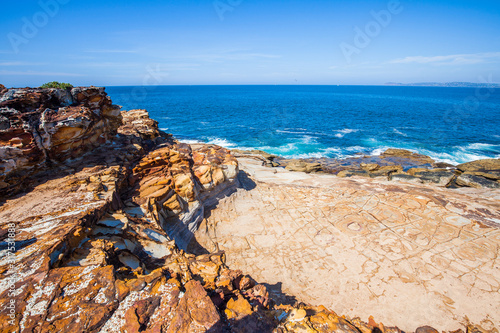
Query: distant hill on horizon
<point x="446" y="84"/>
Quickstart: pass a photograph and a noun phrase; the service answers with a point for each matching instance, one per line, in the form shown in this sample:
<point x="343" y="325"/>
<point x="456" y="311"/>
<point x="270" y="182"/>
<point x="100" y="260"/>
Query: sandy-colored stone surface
<point x="409" y="255"/>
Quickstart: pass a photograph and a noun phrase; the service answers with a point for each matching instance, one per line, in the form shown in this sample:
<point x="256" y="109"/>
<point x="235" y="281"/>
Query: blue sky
<point x="248" y="42"/>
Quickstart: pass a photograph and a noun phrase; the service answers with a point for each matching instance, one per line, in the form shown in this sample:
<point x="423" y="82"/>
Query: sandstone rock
<point x="176" y="183"/>
<point x="238" y="308"/>
<point x="471" y="180"/>
<point x="489" y="169"/>
<point x="40" y="127"/>
<point x="136" y="123"/>
<point x="315" y="319"/>
<point x="402" y="156"/>
<point x="93" y="251"/>
<point x="440" y="177"/>
<point x="301" y="166"/>
<point x="297" y="315"/>
<point x="257" y="152"/>
<point x="384" y="171"/>
<point x="369" y="167"/>
<point x="351" y="173"/>
<point x="195" y="312"/>
<point x="426" y="329"/>
<point x="480" y="166"/>
<point x="404" y="177"/>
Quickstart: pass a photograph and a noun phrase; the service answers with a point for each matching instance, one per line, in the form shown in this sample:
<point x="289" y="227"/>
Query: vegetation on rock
<point x="55" y="84"/>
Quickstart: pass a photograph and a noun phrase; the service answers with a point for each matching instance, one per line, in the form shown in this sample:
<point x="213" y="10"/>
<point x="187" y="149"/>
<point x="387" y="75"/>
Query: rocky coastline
<point x="397" y="165"/>
<point x="100" y="211"/>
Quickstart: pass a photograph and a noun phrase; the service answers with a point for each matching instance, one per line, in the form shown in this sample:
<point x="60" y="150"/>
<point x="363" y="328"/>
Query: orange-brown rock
<point x="94" y="245"/>
<point x="175" y="183"/>
<point x="43" y="127"/>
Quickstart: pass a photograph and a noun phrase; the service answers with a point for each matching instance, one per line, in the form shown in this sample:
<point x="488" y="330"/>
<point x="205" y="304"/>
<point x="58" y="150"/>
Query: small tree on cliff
<point x="55" y="84"/>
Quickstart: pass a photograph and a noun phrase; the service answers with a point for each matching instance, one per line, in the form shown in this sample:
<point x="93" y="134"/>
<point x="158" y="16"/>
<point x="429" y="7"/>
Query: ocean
<point x="453" y="125"/>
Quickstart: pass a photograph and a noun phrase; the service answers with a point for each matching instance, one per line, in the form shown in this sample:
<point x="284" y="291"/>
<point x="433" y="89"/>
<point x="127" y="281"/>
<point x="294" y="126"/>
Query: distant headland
<point x="446" y="84"/>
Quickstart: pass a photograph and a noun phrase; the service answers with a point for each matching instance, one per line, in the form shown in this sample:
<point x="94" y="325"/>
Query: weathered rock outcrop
<point x="482" y="173"/>
<point x="43" y="127"/>
<point x="175" y="184"/>
<point x="95" y="245"/>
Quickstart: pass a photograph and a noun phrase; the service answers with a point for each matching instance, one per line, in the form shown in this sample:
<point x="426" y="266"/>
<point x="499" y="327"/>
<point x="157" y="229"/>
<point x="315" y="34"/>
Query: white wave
<point x="164" y="129"/>
<point x="285" y="131"/>
<point x="190" y="141"/>
<point x="288" y="132"/>
<point x="307" y="139"/>
<point x="281" y="149"/>
<point x="355" y="149"/>
<point x="399" y="132"/>
<point x="296" y="129"/>
<point x="221" y="142"/>
<point x="341" y="133"/>
<point x="480" y="146"/>
<point x="331" y="152"/>
<point x="308" y="155"/>
<point x="378" y="151"/>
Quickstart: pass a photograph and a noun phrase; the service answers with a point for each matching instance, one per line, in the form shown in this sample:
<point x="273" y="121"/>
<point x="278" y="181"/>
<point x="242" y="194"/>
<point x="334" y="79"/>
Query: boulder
<point x="136" y="123"/>
<point x="426" y="329"/>
<point x="369" y="166"/>
<point x="417" y="159"/>
<point x="195" y="312"/>
<point x="468" y="179"/>
<point x="488" y="168"/>
<point x="440" y="177"/>
<point x="386" y="170"/>
<point x="352" y="173"/>
<point x="301" y="166"/>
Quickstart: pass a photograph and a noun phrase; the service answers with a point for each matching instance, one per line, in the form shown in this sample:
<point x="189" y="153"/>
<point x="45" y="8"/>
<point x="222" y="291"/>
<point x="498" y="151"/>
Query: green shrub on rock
<point x="55" y="84"/>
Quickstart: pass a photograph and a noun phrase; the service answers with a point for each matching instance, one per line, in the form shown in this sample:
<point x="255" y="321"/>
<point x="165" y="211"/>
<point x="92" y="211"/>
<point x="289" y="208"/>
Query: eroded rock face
<point x="482" y="173"/>
<point x="92" y="246"/>
<point x="87" y="260"/>
<point x="175" y="183"/>
<point x="43" y="127"/>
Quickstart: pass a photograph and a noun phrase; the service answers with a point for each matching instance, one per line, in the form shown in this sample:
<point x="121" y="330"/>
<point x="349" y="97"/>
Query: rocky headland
<point x="108" y="224"/>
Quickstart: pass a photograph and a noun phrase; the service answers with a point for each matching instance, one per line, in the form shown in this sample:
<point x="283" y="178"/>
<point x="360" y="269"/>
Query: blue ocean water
<point x="453" y="125"/>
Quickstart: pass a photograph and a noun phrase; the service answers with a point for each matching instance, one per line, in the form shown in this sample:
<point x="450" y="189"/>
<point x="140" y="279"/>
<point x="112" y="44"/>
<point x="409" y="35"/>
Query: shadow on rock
<point x="246" y="182"/>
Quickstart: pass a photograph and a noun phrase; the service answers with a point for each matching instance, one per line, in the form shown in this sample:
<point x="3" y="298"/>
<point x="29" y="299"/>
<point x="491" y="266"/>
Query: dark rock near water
<point x="471" y="180"/>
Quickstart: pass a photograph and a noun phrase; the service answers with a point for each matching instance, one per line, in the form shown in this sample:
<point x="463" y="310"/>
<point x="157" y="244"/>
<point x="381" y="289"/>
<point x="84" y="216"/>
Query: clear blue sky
<point x="167" y="42"/>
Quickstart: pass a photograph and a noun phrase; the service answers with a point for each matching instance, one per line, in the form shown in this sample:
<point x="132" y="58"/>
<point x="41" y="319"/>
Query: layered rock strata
<point x="43" y="127"/>
<point x="95" y="243"/>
